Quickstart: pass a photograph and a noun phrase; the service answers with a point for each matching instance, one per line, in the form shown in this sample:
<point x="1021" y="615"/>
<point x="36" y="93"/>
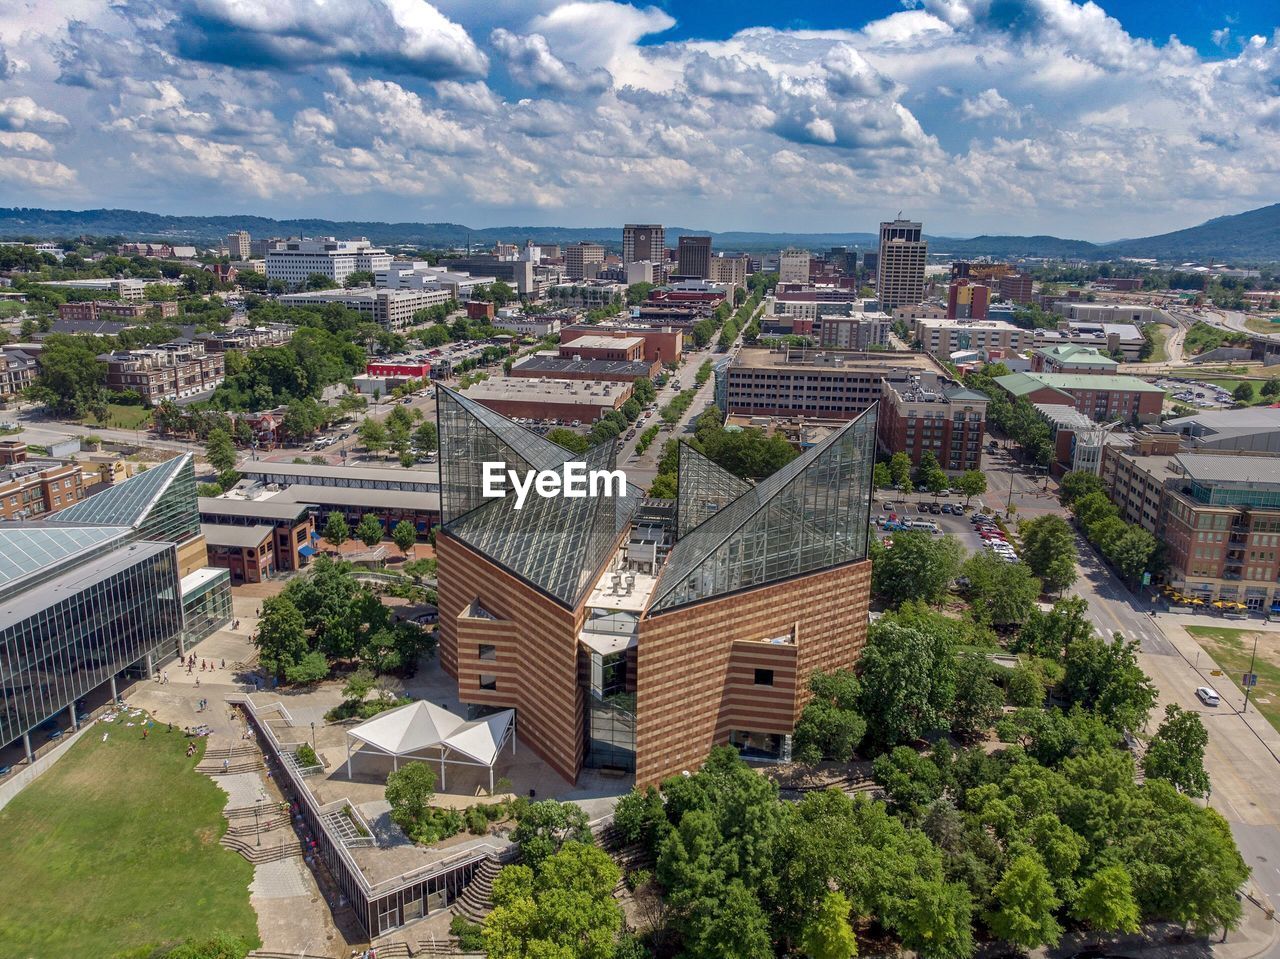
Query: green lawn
<point x="1231" y="648"/>
<point x="114" y="852"/>
<point x="1159" y="334"/>
<point x="1263" y="325"/>
<point x="122" y="417"/>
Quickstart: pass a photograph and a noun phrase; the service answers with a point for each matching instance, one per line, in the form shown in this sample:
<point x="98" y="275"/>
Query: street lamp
<point x="1252" y="658"/>
<point x="257" y="829"/>
<point x="313" y="736"/>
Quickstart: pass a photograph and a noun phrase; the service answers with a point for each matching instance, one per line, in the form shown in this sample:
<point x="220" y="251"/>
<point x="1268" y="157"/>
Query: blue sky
<point x="976" y="116"/>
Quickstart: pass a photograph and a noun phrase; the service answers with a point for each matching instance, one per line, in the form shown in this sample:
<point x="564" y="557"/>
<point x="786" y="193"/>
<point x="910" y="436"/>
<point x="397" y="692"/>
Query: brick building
<point x="292" y="529"/>
<point x="662" y="344"/>
<point x="1101" y="397"/>
<point x="171" y="371"/>
<point x="634" y="634"/>
<point x="929" y="413"/>
<point x="117" y="310"/>
<point x="31" y="488"/>
<point x="567" y="400"/>
<point x="1071" y="359"/>
<point x="247" y="552"/>
<point x="1016" y="287"/>
<point x="18" y="370"/>
<point x="572" y="367"/>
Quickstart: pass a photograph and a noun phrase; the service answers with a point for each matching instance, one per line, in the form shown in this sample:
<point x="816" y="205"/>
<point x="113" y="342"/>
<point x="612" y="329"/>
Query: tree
<point x="830" y="726"/>
<point x="404" y="535"/>
<point x="919" y="566"/>
<point x="426" y="437"/>
<point x="937" y="482"/>
<point x="1026" y="686"/>
<point x="909" y="779"/>
<point x="900" y="469"/>
<point x="881" y="477"/>
<point x="282" y="635"/>
<point x="311" y="668"/>
<point x="1176" y="752"/>
<point x="1243" y="393"/>
<point x="828" y="934"/>
<point x="972" y="483"/>
<point x="373" y="435"/>
<point x="544" y="827"/>
<point x="564" y="911"/>
<point x="1132" y="552"/>
<point x="318" y="281"/>
<point x="1105" y="677"/>
<point x="908" y="684"/>
<point x="221" y="452"/>
<point x="1091" y="507"/>
<point x="409" y="791"/>
<point x="1001" y="593"/>
<point x="1024" y="905"/>
<point x="1271" y="387"/>
<point x="369" y="530"/>
<point x="70" y="376"/>
<point x="1078" y="483"/>
<point x="928" y="468"/>
<point x="1105" y="901"/>
<point x="978" y="700"/>
<point x="336" y="530"/>
<point x="1049" y="549"/>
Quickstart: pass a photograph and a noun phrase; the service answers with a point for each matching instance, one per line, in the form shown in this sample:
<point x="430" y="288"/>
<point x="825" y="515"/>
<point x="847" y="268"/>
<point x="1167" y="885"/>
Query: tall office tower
<point x="793" y="266"/>
<point x="900" y="267"/>
<point x="238" y="244"/>
<point x="583" y="260"/>
<point x="694" y="256"/>
<point x="843" y="259"/>
<point x="643" y="241"/>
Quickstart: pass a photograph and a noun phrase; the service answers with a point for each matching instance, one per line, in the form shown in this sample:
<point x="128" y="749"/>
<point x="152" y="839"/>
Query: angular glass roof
<point x="30" y="548"/>
<point x="556" y="543"/>
<point x="703" y="489"/>
<point x="810" y="515"/>
<point x="128" y="503"/>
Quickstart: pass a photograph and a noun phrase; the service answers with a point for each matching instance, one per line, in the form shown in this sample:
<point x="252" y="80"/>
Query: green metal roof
<point x="1069" y="353"/>
<point x="1020" y="384"/>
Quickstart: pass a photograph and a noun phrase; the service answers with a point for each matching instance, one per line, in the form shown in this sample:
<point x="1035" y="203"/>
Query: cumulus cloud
<point x="397" y="36"/>
<point x="23" y="113"/>
<point x="531" y="63"/>
<point x="987" y="104"/>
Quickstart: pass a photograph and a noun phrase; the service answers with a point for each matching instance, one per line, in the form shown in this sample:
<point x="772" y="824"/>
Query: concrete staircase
<point x="240" y="757"/>
<point x="476" y="900"/>
<point x="273" y="849"/>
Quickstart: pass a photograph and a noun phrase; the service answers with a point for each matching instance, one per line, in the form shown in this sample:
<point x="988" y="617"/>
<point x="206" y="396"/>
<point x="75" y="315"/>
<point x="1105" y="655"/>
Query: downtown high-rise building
<point x="694" y="256"/>
<point x="643" y="241"/>
<point x="583" y="260"/>
<point x="900" y="265"/>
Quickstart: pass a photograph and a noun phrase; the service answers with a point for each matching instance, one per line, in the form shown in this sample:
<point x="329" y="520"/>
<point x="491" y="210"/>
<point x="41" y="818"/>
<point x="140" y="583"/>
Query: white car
<point x="1208" y="695"/>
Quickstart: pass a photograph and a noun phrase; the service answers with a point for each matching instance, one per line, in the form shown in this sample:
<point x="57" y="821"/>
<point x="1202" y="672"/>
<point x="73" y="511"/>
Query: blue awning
<point x="315" y="537"/>
<point x="307" y="550"/>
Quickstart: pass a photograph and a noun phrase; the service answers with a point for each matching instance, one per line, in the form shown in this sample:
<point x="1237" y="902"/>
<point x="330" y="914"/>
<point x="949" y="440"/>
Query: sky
<point x="975" y="116"/>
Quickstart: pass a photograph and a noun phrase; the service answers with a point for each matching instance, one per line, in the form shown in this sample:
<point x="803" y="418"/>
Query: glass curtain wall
<point x="55" y="654"/>
<point x="206" y="608"/>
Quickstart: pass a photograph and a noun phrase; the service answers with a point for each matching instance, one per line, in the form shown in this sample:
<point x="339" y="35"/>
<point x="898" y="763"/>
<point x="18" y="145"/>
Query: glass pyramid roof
<point x="29" y="548"/>
<point x="812" y="514"/>
<point x="703" y="489"/>
<point x="556" y="543"/>
<point x="129" y="503"/>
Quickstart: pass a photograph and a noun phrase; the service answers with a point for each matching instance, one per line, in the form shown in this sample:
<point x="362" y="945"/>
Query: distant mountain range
<point x="1252" y="237"/>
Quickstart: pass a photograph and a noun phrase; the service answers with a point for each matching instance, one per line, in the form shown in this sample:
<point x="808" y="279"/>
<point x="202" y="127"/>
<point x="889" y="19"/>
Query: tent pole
<point x="442" y="752"/>
<point x="491" y="781"/>
<point x="348" y="757"/>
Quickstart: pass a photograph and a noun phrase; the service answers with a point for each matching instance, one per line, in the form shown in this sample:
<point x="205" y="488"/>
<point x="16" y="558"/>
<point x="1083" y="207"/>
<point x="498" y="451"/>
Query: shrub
<point x="306" y="756"/>
<point x="470" y="938"/>
<point x="477" y="820"/>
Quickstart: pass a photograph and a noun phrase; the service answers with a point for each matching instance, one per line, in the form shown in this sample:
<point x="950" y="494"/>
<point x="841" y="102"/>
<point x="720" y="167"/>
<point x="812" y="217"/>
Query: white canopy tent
<point x="411" y="730"/>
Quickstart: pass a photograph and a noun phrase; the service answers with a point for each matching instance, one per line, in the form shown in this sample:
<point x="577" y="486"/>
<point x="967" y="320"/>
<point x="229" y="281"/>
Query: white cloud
<point x="987" y="104"/>
<point x="35" y="174"/>
<point x="531" y="63"/>
<point x="23" y="113"/>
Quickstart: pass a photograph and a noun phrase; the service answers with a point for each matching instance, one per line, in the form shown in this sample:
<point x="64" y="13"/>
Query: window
<point x="764" y="677"/>
<point x="488" y="681"/>
<point x="487" y="652"/>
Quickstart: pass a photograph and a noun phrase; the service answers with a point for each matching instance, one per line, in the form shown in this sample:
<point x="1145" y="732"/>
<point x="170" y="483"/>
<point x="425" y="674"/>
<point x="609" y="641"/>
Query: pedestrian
<point x="224" y="664"/>
<point x="170" y="727"/>
<point x="144" y="732"/>
<point x="197" y="682"/>
<point x="226" y="764"/>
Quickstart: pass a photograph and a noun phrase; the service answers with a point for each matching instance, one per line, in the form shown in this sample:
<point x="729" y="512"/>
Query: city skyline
<point x="1042" y="117"/>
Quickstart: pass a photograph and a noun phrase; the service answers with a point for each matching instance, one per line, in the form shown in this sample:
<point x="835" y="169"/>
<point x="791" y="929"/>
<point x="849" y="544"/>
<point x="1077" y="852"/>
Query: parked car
<point x="1208" y="695"/>
<point x="935" y="509"/>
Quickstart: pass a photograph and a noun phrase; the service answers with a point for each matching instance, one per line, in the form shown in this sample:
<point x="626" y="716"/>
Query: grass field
<point x="1260" y="325"/>
<point x="1159" y="334"/>
<point x="1231" y="649"/>
<point x="114" y="852"/>
<point x="121" y="417"/>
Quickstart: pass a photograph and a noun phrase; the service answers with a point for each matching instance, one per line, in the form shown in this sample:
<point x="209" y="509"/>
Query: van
<point x="1207" y="695"/>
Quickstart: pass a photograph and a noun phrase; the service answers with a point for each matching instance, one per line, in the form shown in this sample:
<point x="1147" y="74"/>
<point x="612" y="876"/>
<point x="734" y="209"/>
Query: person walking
<point x="226" y="764"/>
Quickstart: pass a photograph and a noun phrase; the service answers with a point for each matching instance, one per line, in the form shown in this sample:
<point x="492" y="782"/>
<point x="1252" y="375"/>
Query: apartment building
<point x="93" y="310"/>
<point x="129" y="290"/>
<point x="693" y="256"/>
<point x="729" y="271"/>
<point x="31" y="488"/>
<point x="18" y="370"/>
<point x="1071" y="359"/>
<point x="587" y="294"/>
<point x="818" y="384"/>
<point x="1101" y="397"/>
<point x="942" y="337"/>
<point x="583" y="260"/>
<point x="918" y="311"/>
<point x="168" y="372"/>
<point x="926" y="412"/>
<point x="853" y="331"/>
<point x="900" y="269"/>
<point x="1016" y="287"/>
<point x="793" y="266"/>
<point x="294" y="260"/>
<point x="390" y="309"/>
<point x="967" y="300"/>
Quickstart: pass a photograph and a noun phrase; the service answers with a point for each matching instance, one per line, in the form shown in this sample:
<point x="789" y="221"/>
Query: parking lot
<point x="906" y="507"/>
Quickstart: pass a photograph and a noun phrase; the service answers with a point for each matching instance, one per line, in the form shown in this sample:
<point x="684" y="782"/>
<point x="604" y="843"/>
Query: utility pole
<point x="1252" y="658"/>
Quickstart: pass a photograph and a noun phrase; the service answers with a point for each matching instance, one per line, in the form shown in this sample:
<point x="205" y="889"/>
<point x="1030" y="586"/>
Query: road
<point x="1243" y="754"/>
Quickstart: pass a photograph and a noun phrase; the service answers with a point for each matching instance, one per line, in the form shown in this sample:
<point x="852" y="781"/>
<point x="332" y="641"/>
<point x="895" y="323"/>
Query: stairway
<point x="272" y="850"/>
<point x="476" y="900"/>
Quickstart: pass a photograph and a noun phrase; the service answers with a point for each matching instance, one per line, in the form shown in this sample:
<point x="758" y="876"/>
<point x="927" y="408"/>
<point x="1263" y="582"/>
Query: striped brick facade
<point x="696" y="665"/>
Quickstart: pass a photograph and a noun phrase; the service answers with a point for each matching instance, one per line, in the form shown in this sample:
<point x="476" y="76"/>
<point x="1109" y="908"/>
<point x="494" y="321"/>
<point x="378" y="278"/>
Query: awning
<point x="315" y="537"/>
<point x="307" y="550"/>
